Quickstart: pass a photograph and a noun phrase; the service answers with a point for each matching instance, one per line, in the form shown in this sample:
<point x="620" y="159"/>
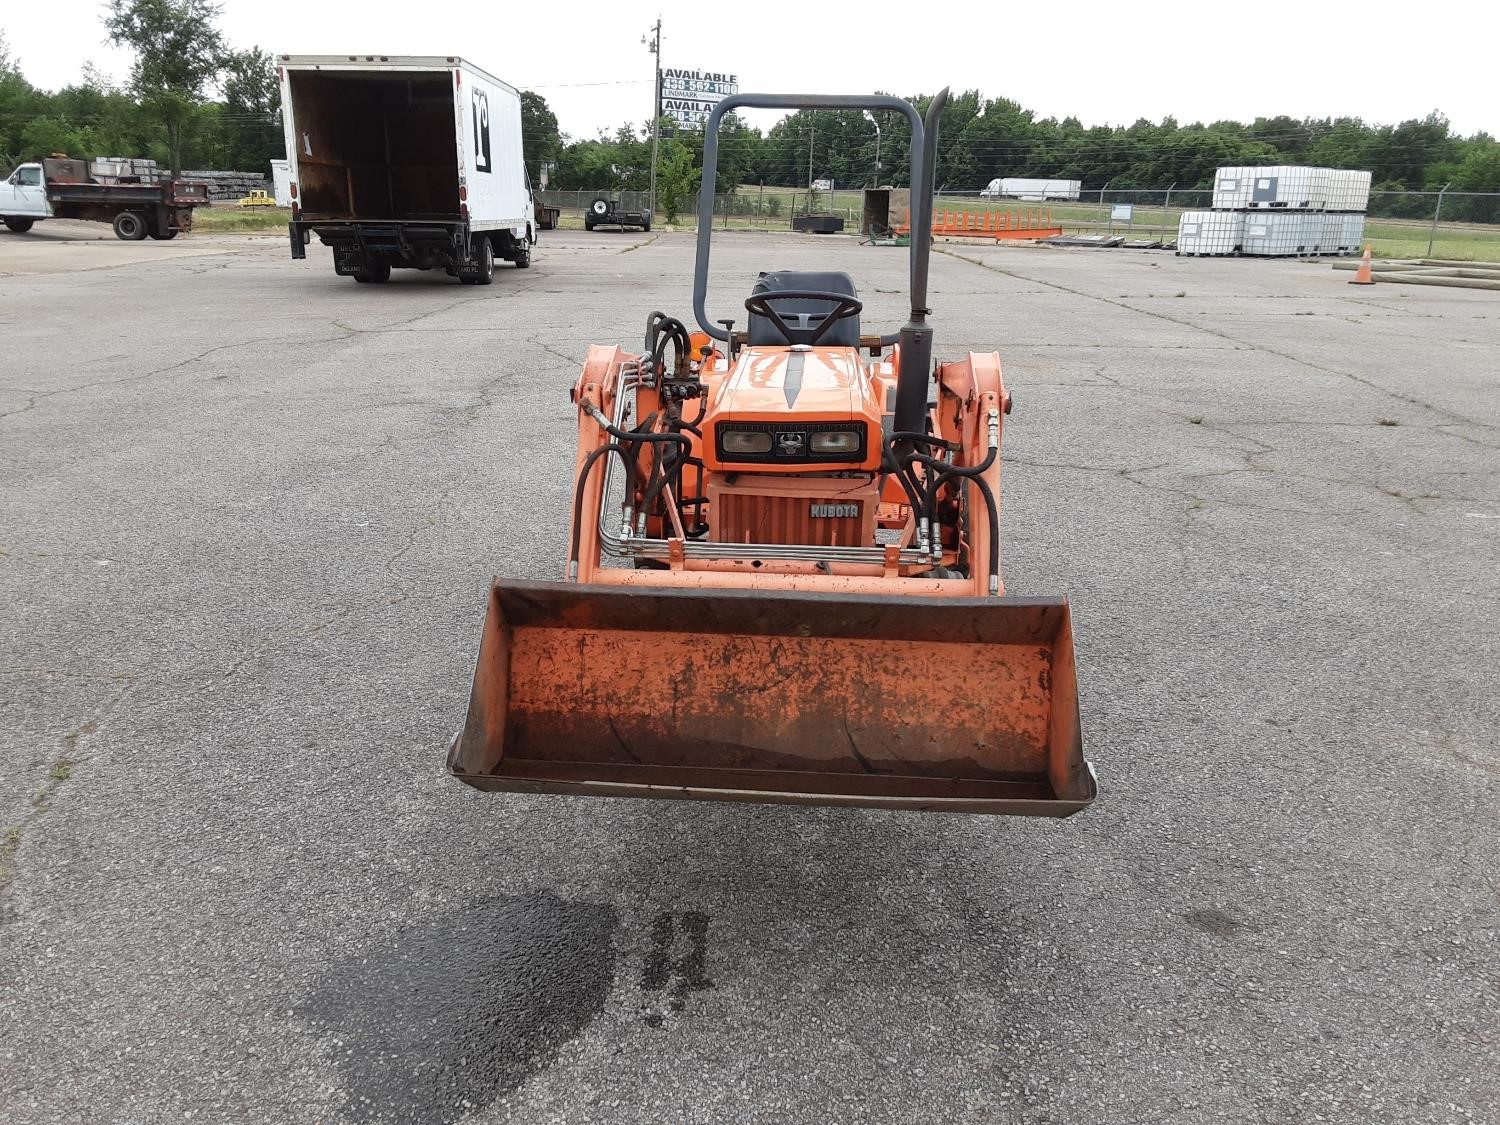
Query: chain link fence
<point x="1460" y="225"/>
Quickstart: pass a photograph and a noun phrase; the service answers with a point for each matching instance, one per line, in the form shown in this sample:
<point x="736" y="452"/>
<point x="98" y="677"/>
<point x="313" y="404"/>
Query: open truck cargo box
<point x="957" y="704"/>
<point x="376" y="144"/>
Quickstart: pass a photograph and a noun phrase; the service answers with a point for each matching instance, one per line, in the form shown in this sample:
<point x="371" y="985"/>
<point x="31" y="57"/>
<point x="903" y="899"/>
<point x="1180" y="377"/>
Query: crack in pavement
<point x="270" y="641"/>
<point x="59" y="774"/>
<point x="1457" y="419"/>
<point x="167" y="370"/>
<point x="396" y="325"/>
<point x="550" y="350"/>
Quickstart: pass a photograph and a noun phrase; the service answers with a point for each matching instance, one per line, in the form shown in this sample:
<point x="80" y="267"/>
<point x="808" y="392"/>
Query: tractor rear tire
<point x="20" y="226"/>
<point x="130" y="226"/>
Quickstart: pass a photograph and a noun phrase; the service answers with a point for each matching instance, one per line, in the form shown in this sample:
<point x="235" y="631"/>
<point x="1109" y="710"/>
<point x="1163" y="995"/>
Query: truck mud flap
<point x="955" y="704"/>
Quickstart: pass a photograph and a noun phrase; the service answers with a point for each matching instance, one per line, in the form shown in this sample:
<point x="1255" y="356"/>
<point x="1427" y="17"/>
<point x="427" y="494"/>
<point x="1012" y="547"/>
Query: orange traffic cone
<point x="1363" y="276"/>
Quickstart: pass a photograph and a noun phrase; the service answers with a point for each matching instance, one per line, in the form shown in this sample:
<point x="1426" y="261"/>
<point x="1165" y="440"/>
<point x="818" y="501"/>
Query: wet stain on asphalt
<point x="445" y="1017"/>
<point x="675" y="965"/>
<point x="1215" y="922"/>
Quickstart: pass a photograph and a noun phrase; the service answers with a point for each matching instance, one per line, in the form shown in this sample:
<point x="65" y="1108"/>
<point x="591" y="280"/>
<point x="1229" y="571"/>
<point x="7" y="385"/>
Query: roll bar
<point x="923" y="147"/>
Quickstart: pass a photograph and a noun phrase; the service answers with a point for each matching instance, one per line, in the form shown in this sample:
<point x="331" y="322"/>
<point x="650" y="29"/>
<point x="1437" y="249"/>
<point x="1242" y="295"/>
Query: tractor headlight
<point x="834" y="443"/>
<point x="745" y="441"/>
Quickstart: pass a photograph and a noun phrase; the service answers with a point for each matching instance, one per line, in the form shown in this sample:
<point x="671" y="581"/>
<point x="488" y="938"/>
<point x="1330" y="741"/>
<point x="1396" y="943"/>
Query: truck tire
<point x="130" y="226"/>
<point x="588" y="222"/>
<point x="522" y="256"/>
<point x="163" y="235"/>
<point x="599" y="208"/>
<point x="646" y="226"/>
<point x="484" y="260"/>
<point x="374" y="273"/>
<point x="20" y="226"/>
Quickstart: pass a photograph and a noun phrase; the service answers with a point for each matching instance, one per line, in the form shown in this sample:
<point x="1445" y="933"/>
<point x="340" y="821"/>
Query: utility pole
<point x="812" y="131"/>
<point x="654" y="46"/>
<point x="1437" y="214"/>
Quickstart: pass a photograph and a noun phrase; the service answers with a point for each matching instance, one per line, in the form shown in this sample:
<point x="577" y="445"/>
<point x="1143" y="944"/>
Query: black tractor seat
<point x="805" y="315"/>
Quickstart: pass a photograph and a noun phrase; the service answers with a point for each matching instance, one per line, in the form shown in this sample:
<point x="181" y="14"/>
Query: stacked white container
<point x="1350" y="190"/>
<point x="1353" y="239"/>
<point x="1210" y="233"/>
<point x="1232" y="188"/>
<point x="1279" y="210"/>
<point x="1275" y="234"/>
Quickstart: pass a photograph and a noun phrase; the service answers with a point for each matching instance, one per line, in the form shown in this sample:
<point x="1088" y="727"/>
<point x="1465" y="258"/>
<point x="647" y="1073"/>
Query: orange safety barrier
<point x="1031" y="222"/>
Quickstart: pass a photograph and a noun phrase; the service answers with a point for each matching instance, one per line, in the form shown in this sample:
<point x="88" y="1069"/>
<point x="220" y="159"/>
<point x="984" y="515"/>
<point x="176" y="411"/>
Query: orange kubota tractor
<point x="805" y="604"/>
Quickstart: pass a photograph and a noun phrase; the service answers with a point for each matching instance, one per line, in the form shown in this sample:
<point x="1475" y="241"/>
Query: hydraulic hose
<point x="655" y="482"/>
<point x="941" y="472"/>
<point x="583" y="476"/>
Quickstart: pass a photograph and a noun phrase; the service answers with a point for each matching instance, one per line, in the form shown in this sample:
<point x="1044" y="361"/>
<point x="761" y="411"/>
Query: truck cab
<point x="23" y="198"/>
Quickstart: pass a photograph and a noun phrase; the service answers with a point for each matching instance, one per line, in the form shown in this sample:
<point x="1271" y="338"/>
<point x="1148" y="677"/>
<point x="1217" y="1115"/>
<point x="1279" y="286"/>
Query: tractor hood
<point x="791" y="393"/>
<point x="814" y="384"/>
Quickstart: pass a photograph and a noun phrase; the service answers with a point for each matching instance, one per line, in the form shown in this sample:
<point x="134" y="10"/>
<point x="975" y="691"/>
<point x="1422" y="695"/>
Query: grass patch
<point x="232" y="218"/>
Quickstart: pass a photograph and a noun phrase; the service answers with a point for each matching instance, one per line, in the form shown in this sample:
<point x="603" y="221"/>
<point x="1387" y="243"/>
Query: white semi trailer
<point x="1031" y="190"/>
<point x="407" y="162"/>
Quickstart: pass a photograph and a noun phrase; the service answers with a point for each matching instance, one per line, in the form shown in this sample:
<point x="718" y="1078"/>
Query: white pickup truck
<point x="405" y="161"/>
<point x="59" y="188"/>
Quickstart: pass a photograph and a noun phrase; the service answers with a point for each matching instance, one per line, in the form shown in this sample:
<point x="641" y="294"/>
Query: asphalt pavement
<point x="250" y="510"/>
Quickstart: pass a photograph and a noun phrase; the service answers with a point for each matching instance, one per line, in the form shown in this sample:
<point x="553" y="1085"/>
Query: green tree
<point x="1479" y="172"/>
<point x="541" y="142"/>
<point x="19" y="102"/>
<point x="252" y="103"/>
<point x="178" y="52"/>
<point x="676" y="178"/>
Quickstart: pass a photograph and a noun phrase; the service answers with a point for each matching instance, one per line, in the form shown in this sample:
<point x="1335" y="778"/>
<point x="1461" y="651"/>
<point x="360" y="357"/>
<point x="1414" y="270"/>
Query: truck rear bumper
<point x="414" y="243"/>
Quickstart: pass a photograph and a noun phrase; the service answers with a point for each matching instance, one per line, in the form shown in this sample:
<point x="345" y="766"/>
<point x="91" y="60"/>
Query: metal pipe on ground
<point x="1451" y="278"/>
<point x="1354" y="264"/>
<point x="1421" y="264"/>
<point x="1461" y="265"/>
<point x="1460" y="275"/>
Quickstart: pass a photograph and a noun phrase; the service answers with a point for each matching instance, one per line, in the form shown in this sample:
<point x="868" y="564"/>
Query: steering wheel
<point x="844" y="307"/>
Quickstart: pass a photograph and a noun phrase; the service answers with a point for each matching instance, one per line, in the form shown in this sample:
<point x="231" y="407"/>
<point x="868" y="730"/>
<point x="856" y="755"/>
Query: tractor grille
<point x="754" y="517"/>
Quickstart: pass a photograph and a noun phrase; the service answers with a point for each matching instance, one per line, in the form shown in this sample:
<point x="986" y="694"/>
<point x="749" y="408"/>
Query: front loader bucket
<point x="961" y="704"/>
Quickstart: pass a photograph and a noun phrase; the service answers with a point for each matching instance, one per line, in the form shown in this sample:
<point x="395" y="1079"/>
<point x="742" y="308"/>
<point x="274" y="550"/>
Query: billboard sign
<point x="689" y="96"/>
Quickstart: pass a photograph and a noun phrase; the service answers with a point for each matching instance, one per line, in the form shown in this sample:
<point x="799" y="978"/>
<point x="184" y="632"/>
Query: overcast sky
<point x="1103" y="63"/>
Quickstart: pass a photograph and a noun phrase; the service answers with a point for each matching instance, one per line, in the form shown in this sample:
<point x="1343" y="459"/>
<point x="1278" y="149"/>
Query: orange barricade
<point x="1031" y="222"/>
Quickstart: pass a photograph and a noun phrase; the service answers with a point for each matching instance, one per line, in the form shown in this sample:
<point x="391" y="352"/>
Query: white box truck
<point x="405" y="161"/>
